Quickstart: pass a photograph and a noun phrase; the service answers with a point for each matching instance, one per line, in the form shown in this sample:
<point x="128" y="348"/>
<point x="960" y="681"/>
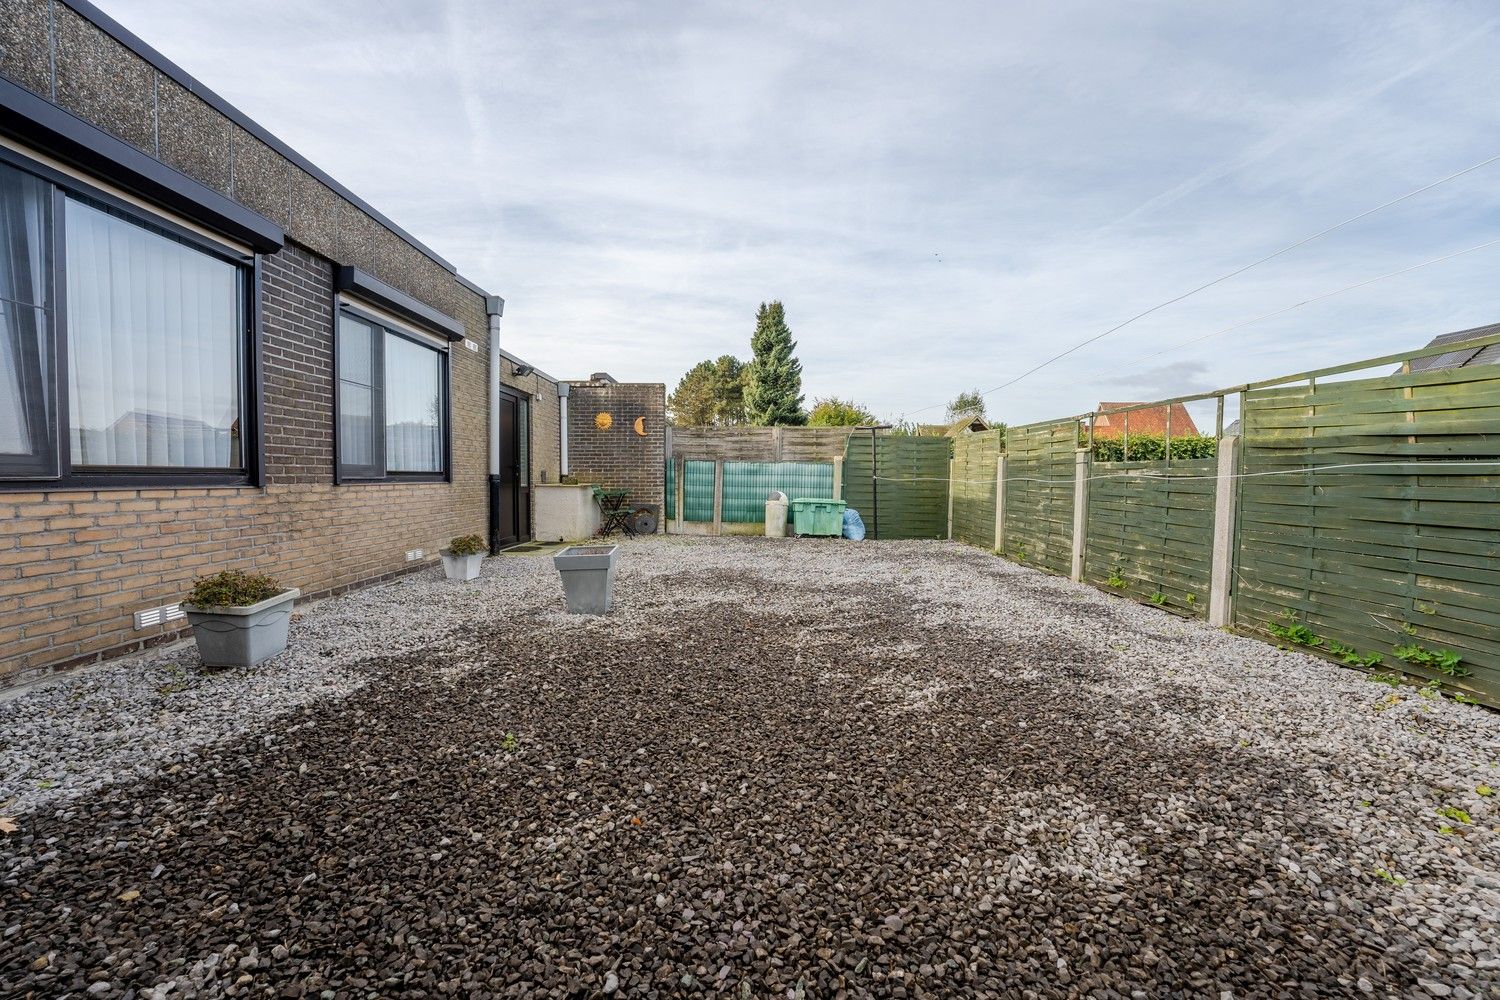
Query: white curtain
<point x="25" y="354"/>
<point x="413" y="407"/>
<point x="155" y="347"/>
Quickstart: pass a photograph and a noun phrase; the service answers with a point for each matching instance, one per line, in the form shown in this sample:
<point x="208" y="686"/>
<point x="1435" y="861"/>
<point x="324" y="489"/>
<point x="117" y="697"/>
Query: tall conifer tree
<point x="773" y="391"/>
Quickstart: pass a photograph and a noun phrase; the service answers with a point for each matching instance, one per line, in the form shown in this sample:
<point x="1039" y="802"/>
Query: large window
<point x="392" y="402"/>
<point x="142" y="328"/>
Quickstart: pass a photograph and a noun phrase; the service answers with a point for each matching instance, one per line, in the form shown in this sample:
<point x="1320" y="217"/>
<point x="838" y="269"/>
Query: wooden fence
<point x="975" y="460"/>
<point x="1356" y="519"/>
<point x="898" y="484"/>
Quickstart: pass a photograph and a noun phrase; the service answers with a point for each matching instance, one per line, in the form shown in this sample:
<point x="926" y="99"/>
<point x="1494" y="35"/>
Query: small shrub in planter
<point x="462" y="556"/>
<point x="239" y="619"/>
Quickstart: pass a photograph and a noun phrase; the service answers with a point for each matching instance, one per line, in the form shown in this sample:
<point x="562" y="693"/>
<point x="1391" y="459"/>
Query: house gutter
<point x="494" y="308"/>
<point x="562" y="417"/>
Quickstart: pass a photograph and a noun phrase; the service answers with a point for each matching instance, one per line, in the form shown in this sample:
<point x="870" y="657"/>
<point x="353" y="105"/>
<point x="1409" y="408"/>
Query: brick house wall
<point x="612" y="452"/>
<point x="75" y="564"/>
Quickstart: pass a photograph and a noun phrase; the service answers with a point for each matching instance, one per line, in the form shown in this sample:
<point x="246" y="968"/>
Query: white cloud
<point x="943" y="195"/>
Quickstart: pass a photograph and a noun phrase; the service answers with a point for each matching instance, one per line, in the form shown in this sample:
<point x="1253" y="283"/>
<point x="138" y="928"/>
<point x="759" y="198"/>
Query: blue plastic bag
<point x="854" y="526"/>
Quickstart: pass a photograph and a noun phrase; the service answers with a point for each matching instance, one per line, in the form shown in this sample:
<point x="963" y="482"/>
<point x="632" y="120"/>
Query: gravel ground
<point x="801" y="769"/>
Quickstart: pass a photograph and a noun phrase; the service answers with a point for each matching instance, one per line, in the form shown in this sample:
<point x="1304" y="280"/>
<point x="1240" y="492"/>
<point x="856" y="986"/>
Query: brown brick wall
<point x="616" y="456"/>
<point x="76" y="565"/>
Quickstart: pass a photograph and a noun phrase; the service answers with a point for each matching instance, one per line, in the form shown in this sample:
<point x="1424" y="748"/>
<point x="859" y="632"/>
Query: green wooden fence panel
<point x="973" y="486"/>
<point x="698" y="491"/>
<point x="1150" y="531"/>
<point x="912" y="484"/>
<point x="1397" y="545"/>
<point x="1039" y="484"/>
<point x="746" y="485"/>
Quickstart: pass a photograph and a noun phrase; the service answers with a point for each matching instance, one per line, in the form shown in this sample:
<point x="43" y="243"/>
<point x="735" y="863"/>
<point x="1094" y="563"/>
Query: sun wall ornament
<point x="603" y="421"/>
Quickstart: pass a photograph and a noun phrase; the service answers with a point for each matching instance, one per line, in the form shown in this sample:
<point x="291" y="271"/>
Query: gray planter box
<point x="242" y="637"/>
<point x="462" y="567"/>
<point x="588" y="577"/>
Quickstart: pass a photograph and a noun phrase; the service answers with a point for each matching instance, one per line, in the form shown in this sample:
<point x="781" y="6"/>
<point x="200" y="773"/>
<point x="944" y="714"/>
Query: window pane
<point x="26" y="368"/>
<point x="155" y="347"/>
<point x="413" y="407"/>
<point x="356" y="428"/>
<point x="359" y="423"/>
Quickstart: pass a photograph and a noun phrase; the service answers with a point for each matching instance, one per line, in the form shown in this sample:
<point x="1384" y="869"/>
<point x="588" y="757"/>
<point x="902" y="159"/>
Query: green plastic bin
<point x="818" y="516"/>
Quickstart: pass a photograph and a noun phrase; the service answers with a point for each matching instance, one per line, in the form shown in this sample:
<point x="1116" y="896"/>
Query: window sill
<point x="163" y="481"/>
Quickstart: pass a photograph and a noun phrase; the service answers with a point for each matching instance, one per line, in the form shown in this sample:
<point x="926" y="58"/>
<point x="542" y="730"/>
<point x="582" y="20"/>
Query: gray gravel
<point x="779" y="768"/>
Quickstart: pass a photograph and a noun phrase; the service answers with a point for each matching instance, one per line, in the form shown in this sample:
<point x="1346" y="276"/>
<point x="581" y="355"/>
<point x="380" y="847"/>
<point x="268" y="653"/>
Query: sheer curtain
<point x="25" y="345"/>
<point x="358" y="403"/>
<point x="413" y="407"/>
<point x="155" y="347"/>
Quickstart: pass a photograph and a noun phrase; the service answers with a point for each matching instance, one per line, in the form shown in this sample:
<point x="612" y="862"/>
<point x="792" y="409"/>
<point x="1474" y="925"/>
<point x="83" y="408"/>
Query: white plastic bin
<point x="776" y="508"/>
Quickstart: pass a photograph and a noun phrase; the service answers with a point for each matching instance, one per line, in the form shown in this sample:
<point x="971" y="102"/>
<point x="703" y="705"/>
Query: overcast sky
<point x="942" y="194"/>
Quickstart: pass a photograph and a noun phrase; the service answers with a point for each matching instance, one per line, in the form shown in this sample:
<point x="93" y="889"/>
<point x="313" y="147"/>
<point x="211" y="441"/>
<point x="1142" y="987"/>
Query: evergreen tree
<point x="773" y="392"/>
<point x="711" y="394"/>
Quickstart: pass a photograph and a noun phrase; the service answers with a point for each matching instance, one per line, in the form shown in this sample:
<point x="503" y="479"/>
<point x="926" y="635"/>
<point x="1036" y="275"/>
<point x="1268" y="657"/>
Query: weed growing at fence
<point x="1158" y="598"/>
<point x="1465" y="699"/>
<point x="1444" y="661"/>
<point x="1191" y="599"/>
<point x="1293" y="631"/>
<point x="1117" y="579"/>
<point x="1392" y="680"/>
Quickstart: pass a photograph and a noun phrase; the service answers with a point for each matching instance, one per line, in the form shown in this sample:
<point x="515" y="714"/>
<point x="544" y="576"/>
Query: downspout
<point x="494" y="307"/>
<point x="562" y="416"/>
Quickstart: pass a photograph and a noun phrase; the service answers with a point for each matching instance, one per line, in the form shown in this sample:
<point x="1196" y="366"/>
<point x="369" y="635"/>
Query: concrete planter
<point x="588" y="577"/>
<point x="462" y="568"/>
<point x="245" y="636"/>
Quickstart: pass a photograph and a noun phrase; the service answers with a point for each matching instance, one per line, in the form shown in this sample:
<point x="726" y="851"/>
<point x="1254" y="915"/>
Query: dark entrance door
<point x="505" y="489"/>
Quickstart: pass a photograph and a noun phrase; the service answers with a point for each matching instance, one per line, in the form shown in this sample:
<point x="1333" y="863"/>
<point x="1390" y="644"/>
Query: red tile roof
<point x="1151" y="420"/>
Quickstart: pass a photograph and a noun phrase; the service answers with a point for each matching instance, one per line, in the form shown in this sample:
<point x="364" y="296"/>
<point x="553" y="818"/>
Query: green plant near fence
<point x="1151" y="447"/>
<point x="912" y="484"/>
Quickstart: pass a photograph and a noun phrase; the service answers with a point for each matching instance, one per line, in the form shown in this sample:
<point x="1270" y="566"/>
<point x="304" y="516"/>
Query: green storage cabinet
<point x="817" y="516"/>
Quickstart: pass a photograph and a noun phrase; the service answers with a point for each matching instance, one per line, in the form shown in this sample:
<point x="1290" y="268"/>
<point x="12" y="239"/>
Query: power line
<point x="1225" y="277"/>
<point x="1296" y="305"/>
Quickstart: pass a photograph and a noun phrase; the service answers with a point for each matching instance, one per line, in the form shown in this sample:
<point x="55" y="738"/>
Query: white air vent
<point x="413" y="555"/>
<point x="472" y="345"/>
<point x="158" y="616"/>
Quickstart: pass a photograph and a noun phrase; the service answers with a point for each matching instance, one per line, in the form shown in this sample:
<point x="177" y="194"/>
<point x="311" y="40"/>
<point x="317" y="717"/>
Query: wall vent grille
<point x="158" y="616"/>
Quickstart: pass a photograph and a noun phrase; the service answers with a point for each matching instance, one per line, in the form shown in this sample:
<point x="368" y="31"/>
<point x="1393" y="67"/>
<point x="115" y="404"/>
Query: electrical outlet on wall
<point x="413" y="555"/>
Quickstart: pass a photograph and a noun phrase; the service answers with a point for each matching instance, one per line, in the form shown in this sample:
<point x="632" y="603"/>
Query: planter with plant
<point x="239" y="619"/>
<point x="462" y="557"/>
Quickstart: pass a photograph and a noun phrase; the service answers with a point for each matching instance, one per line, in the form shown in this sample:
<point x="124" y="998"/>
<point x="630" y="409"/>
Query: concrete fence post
<point x="718" y="496"/>
<point x="679" y="473"/>
<point x="1080" y="510"/>
<point x="952" y="464"/>
<point x="1000" y="503"/>
<point x="1226" y="511"/>
<point x="838" y="479"/>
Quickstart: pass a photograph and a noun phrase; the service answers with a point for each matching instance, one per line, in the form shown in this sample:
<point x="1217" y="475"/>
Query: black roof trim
<point x="168" y="68"/>
<point x="372" y="289"/>
<point x="40" y="124"/>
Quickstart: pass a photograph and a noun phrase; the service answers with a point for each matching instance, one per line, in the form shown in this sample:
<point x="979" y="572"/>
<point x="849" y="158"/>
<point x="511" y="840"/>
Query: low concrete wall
<point x="564" y="513"/>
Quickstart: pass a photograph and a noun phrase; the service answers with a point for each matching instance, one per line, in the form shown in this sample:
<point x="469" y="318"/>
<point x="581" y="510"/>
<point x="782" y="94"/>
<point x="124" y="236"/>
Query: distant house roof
<point x="965" y="425"/>
<point x="1150" y="420"/>
<point x="1488" y="355"/>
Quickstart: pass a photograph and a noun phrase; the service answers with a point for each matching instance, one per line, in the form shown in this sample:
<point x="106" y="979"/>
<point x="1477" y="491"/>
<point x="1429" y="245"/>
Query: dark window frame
<point x="384" y="327"/>
<point x="69" y="477"/>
